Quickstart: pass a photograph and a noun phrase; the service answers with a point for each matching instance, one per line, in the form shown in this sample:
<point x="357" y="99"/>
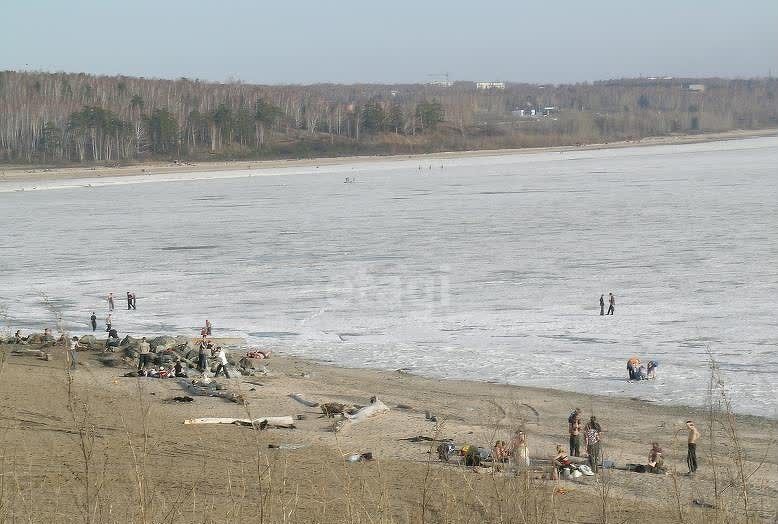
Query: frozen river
<point x="484" y="267"/>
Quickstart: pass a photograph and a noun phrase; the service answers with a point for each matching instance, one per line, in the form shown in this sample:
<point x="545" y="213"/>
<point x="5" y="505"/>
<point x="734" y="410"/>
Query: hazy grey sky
<point x="309" y="41"/>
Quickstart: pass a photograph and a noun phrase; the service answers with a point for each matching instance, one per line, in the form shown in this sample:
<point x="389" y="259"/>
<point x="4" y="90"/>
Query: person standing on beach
<point x="602" y="305"/>
<point x="145" y="352"/>
<point x="202" y="359"/>
<point x="110" y="301"/>
<point x="93" y="320"/>
<point x="611" y="303"/>
<point x="221" y="358"/>
<point x="574" y="428"/>
<point x="592" y="435"/>
<point x="108" y="322"/>
<point x="72" y="353"/>
<point x="691" y="454"/>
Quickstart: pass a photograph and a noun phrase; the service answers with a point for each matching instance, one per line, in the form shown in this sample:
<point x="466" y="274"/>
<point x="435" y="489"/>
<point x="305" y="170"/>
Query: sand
<point x="31" y="174"/>
<point x="221" y="473"/>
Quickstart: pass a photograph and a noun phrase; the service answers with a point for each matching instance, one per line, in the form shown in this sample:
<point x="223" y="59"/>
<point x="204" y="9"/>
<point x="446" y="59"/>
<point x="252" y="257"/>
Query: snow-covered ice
<point x="483" y="267"/>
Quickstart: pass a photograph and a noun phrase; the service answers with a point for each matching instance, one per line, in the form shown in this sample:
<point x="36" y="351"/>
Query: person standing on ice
<point x="110" y="301"/>
<point x="611" y="303"/>
<point x="129" y="301"/>
<point x="108" y="322"/>
<point x="93" y="320"/>
<point x="602" y="305"/>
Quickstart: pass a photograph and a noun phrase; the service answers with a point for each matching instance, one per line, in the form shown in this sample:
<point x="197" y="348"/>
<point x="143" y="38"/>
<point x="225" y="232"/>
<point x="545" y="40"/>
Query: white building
<point x="490" y="85"/>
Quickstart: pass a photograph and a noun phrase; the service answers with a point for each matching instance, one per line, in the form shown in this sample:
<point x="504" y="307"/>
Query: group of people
<point x="639" y="371"/>
<point x="611" y="304"/>
<point x="206" y="346"/>
<point x="131" y="301"/>
<point x="589" y="435"/>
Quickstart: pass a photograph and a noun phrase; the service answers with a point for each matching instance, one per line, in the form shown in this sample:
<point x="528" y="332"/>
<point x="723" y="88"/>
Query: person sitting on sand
<point x="561" y="461"/>
<point x="500" y="451"/>
<point x="656" y="462"/>
<point x="179" y="369"/>
<point x="519" y="448"/>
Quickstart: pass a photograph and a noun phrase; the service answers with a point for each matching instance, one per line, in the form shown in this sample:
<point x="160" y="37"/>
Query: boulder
<point x="90" y="340"/>
<point x="162" y="343"/>
<point x="251" y="363"/>
<point x="130" y="342"/>
<point x="110" y="360"/>
<point x="35" y="338"/>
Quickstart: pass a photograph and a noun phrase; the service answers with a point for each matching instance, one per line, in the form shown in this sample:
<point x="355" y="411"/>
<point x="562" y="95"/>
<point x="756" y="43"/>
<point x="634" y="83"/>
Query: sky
<point x="393" y="41"/>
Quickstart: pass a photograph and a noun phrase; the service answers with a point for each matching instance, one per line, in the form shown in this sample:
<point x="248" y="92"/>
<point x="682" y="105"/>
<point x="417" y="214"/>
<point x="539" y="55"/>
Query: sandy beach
<point x="17" y="173"/>
<point x="145" y="464"/>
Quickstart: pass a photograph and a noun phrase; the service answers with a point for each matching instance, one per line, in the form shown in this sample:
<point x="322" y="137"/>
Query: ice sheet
<point x="485" y="267"/>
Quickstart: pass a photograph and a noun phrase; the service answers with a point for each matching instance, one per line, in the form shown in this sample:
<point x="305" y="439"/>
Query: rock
<point x="251" y="363"/>
<point x="109" y="360"/>
<point x="35" y="338"/>
<point x="162" y="343"/>
<point x="130" y="352"/>
<point x="192" y="354"/>
<point x="130" y="342"/>
<point x="90" y="340"/>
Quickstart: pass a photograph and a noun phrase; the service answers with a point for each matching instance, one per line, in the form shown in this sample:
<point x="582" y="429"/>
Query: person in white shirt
<point x="72" y="353"/>
<point x="145" y="353"/>
<point x="108" y="322"/>
<point x="221" y="358"/>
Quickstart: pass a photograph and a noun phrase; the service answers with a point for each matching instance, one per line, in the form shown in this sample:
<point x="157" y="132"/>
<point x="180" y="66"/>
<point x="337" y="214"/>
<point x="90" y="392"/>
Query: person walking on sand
<point x="611" y="303"/>
<point x="592" y="436"/>
<point x="691" y="454"/>
<point x="110" y="301"/>
<point x="574" y="428"/>
<point x="108" y="322"/>
<point x="144" y="350"/>
<point x="221" y="358"/>
<point x="602" y="305"/>
<point x="93" y="321"/>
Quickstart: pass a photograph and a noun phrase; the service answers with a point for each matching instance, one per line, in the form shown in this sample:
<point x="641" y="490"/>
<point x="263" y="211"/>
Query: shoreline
<point x="25" y="173"/>
<point x="467" y="411"/>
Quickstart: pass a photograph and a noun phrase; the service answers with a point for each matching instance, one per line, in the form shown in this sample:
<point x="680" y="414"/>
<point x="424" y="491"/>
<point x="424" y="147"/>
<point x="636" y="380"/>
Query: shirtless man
<point x="691" y="455"/>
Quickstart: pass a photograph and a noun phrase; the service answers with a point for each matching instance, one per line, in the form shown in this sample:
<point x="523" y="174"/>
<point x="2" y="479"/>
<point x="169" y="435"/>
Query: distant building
<point x="695" y="87"/>
<point x="548" y="111"/>
<point x="440" y="83"/>
<point x="489" y="85"/>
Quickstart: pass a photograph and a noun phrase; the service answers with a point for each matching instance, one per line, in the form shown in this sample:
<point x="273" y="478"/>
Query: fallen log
<point x="374" y="409"/>
<point x="277" y="422"/>
<point x="299" y="398"/>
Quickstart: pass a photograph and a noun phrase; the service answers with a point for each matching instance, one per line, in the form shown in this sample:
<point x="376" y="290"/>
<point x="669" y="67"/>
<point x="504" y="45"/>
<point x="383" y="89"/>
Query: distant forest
<point x="62" y="118"/>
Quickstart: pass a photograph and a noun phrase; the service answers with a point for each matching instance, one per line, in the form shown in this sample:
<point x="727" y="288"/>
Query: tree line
<point x="59" y="118"/>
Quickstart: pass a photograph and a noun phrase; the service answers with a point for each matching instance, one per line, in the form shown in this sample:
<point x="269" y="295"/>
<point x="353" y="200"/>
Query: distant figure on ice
<point x="129" y="301"/>
<point x="611" y="302"/>
<point x="108" y="322"/>
<point x="633" y="365"/>
<point x="110" y="301"/>
<point x="208" y="327"/>
<point x="134" y="301"/>
<point x="652" y="365"/>
<point x="93" y="321"/>
<point x="602" y="305"/>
